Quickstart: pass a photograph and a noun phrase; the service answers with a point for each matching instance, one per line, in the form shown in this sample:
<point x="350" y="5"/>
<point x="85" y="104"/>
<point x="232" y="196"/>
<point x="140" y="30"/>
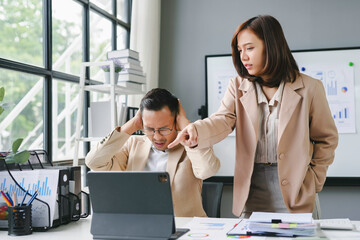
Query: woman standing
<point x="285" y="133"/>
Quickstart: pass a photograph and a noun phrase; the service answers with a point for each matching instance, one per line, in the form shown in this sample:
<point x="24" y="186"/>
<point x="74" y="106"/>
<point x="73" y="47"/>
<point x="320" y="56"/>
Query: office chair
<point x="211" y="198"/>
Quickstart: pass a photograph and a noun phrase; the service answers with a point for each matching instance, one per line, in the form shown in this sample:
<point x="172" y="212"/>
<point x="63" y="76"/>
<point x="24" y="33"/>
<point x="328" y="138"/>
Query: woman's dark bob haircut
<point x="280" y="64"/>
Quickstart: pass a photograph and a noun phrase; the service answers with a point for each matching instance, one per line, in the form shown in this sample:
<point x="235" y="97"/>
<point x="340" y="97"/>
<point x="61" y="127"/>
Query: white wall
<point x="191" y="29"/>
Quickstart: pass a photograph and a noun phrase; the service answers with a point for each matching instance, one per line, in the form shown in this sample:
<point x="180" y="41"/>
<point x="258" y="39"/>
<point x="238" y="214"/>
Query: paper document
<point x="269" y="217"/>
<point x="240" y="228"/>
<point x="276" y="224"/>
<point x="209" y="228"/>
<point x="45" y="181"/>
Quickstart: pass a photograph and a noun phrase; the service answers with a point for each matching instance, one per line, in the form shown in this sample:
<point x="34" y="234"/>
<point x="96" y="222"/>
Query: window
<point x="24" y="109"/>
<point x="21" y="31"/>
<point x="67" y="36"/>
<point x="65" y="97"/>
<point x="121" y="37"/>
<point x="100" y="40"/>
<point x="104" y="4"/>
<point x="123" y="10"/>
<point x="40" y="62"/>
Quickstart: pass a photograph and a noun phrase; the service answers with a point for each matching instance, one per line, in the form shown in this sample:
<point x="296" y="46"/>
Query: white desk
<point x="80" y="230"/>
<point x="72" y="231"/>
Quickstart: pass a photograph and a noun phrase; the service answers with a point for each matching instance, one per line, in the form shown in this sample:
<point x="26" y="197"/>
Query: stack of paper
<point x="131" y="76"/>
<point x="282" y="229"/>
<point x="277" y="224"/>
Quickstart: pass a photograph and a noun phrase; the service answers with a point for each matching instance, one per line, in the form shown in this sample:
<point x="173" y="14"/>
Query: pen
<point x="22" y="202"/>
<point x="32" y="198"/>
<point x="9" y="198"/>
<point x="6" y="199"/>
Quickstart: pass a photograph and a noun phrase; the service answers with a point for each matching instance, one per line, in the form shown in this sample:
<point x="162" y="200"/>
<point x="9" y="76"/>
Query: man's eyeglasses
<point x="161" y="131"/>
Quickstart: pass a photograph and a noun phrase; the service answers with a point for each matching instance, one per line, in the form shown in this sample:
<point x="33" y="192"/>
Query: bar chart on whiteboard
<point x="338" y="82"/>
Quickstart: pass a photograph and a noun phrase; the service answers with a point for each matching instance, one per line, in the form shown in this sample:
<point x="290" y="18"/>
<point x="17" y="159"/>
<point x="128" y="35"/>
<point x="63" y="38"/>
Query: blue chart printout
<point x="338" y="82"/>
<point x="44" y="181"/>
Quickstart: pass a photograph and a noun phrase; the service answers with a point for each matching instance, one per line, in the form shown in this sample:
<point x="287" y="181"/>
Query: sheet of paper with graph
<point x="45" y="181"/>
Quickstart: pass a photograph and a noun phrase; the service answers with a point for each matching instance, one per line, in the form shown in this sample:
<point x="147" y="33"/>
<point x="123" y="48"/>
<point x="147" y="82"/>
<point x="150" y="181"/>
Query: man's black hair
<point x="158" y="98"/>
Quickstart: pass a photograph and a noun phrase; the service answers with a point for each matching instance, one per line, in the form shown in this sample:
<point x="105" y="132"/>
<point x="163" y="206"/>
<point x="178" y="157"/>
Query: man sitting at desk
<point x="160" y="116"/>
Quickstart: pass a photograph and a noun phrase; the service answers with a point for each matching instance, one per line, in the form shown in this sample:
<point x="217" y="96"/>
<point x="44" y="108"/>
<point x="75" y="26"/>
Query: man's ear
<point x="176" y="124"/>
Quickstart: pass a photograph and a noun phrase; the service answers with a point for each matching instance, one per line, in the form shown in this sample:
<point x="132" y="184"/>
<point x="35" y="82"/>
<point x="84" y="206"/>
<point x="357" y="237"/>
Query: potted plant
<point x="106" y="69"/>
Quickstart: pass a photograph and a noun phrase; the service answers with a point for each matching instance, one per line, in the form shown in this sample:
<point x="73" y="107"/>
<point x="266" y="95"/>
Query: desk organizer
<point x="19" y="220"/>
<point x="68" y="203"/>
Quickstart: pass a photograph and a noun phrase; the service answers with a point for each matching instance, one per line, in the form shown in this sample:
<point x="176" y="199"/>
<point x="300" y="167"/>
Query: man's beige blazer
<point x="186" y="167"/>
<point x="307" y="138"/>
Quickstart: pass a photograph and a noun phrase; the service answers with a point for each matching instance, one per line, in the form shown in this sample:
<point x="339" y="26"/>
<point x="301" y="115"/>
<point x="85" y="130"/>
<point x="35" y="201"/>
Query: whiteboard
<point x="220" y="69"/>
